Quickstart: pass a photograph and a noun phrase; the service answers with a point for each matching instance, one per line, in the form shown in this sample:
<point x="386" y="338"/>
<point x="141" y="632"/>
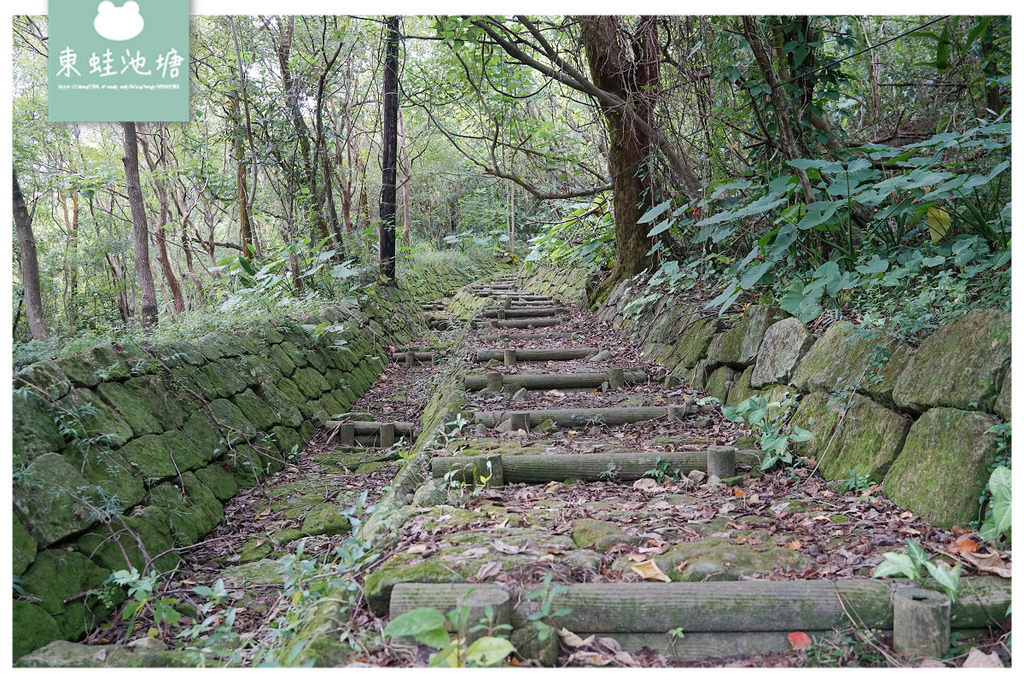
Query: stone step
<point x="582" y="417"/>
<point x="530" y="355"/>
<point x="624" y="465"/>
<point x="616" y="379"/>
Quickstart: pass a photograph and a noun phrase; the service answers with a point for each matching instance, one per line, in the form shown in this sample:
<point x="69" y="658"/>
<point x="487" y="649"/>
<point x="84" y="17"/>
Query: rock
<point x="693" y="343"/>
<point x="601" y="356"/>
<point x="262" y="573"/>
<point x="148" y="644"/>
<point x="713" y="480"/>
<point x="818" y="413"/>
<point x="325" y="519"/>
<point x="716" y="559"/>
<point x="594" y="430"/>
<point x="56" y="576"/>
<point x="697" y="476"/>
<point x="122" y="544"/>
<point x="504" y="427"/>
<point x="849" y="357"/>
<point x="45" y="376"/>
<point x="739" y="346"/>
<point x="486" y="393"/>
<point x="1002" y="405"/>
<point x="961" y="365"/>
<point x="430" y="493"/>
<point x="522" y="395"/>
<point x="186" y="521"/>
<point x="868" y="441"/>
<point x="741" y="389"/>
<point x="481" y="430"/>
<point x="31" y="627"/>
<point x="256" y="410"/>
<point x="24" y="550"/>
<point x="86" y="412"/>
<point x="33" y="428"/>
<point x="228" y="414"/>
<point x="371" y="467"/>
<point x="42" y="496"/>
<point x="593" y="533"/>
<point x="943" y="467"/>
<point x="784" y="344"/>
<point x="716" y="384"/>
<point x="253" y="550"/>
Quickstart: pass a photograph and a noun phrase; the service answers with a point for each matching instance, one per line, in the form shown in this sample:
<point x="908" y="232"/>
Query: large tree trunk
<point x="159" y="166"/>
<point x="140" y="229"/>
<point x="634" y="80"/>
<point x="389" y="155"/>
<point x="29" y="265"/>
<point x="406" y="179"/>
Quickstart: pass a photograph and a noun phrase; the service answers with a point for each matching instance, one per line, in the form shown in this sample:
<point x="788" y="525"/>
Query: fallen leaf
<point x="101" y="655"/>
<point x="793" y="545"/>
<point x="572" y="640"/>
<point x="503" y="547"/>
<point x="489" y="569"/>
<point x="738" y="492"/>
<point x="650" y="571"/>
<point x="646" y="484"/>
<point x="417" y="549"/>
<point x="964" y="544"/>
<point x="636" y="557"/>
<point x="989" y="562"/>
<point x="976" y="659"/>
<point x="798" y="640"/>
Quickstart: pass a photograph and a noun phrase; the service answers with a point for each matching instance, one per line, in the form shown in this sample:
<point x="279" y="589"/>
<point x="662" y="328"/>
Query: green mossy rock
<point x="217" y="345"/>
<point x="31" y="628"/>
<point x="847" y="356"/>
<point x="868" y="440"/>
<point x="110" y="365"/>
<point x="53" y="499"/>
<point x="254" y="549"/>
<point x="255" y="410"/>
<point x="720" y="382"/>
<point x="1002" y="405"/>
<point x="325" y="519"/>
<point x="693" y="343"/>
<point x="34" y="428"/>
<point x="186" y="521"/>
<point x="185" y="452"/>
<point x="157" y="398"/>
<point x="287" y="440"/>
<point x="129" y="407"/>
<point x="262" y="573"/>
<point x="270" y="334"/>
<point x="247" y="466"/>
<point x="56" y="576"/>
<point x="280" y="358"/>
<point x="24" y="550"/>
<point x="310" y="382"/>
<point x="371" y="467"/>
<point x="108" y="548"/>
<point x="961" y="365"/>
<point x="79" y="371"/>
<point x="943" y="467"/>
<point x="715" y="558"/>
<point x="378" y="585"/>
<point x="741" y="389"/>
<point x="63" y="654"/>
<point x="818" y="413"/>
<point x="784" y="344"/>
<point x="86" y="411"/>
<point x="284" y="408"/>
<point x="739" y="346"/>
<point x="218" y="480"/>
<point x="288" y="346"/>
<point x="228" y="415"/>
<point x="44" y="376"/>
<point x="259" y="370"/>
<point x="594" y="533"/>
<point x="178" y="354"/>
<point x="199" y="427"/>
<point x="108" y="472"/>
<point x="203" y="498"/>
<point x="149" y="456"/>
<point x="230" y="377"/>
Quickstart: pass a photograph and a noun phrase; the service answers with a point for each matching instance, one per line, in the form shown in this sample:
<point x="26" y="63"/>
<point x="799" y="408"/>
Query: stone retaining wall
<point x="122" y="455"/>
<point x="914" y="420"/>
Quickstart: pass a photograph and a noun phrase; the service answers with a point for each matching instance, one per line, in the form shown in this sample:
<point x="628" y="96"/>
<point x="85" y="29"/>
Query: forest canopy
<point x="836" y="165"/>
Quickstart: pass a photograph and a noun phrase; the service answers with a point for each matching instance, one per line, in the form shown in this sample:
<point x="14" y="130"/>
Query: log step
<point x="366" y="427"/>
<point x="441" y="324"/>
<point x="521" y="323"/>
<point x="421" y="357"/>
<point x="723" y="606"/>
<point x="574" y="380"/>
<point x="581" y="417"/>
<point x="529" y="355"/>
<point x="624" y="465"/>
<point x="523" y="312"/>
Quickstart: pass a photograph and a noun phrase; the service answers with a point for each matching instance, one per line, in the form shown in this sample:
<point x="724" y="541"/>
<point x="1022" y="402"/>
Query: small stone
<point x="605" y="387"/>
<point x="150" y="644"/>
<point x="601" y="356"/>
<point x="594" y="431"/>
<point x="702" y="422"/>
<point x="485" y="393"/>
<point x="522" y="395"/>
<point x="547" y="425"/>
<point x="697" y="476"/>
<point x="430" y="494"/>
<point x="505" y="427"/>
<point x="480" y="430"/>
<point x="713" y="481"/>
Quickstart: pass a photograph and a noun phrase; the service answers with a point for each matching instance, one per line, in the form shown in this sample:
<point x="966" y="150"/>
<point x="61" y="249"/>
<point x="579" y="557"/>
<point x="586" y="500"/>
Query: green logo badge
<point x="121" y="60"/>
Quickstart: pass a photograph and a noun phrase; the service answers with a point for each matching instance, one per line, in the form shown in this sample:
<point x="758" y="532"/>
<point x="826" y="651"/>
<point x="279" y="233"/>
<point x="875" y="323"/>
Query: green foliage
<point x="583" y="239"/>
<point x="998" y="514"/>
<point x="911" y="563"/>
<point x="140" y="597"/>
<point x="850" y="647"/>
<point x="768" y="420"/>
<point x="856" y="482"/>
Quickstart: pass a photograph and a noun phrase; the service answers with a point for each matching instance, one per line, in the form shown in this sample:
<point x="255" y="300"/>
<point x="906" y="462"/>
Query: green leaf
<point x="917" y="554"/>
<point x="437" y="637"/>
<point x="948" y="578"/>
<point x="488" y="651"/>
<point x="874" y="266"/>
<point x="415" y="622"/>
<point x="753" y="275"/>
<point x="654" y="212"/>
<point x="661" y="227"/>
<point x="896" y="564"/>
<point x="800" y="434"/>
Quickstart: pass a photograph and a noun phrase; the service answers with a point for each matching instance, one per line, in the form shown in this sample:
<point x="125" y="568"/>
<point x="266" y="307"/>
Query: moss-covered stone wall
<point x="914" y="420"/>
<point x="121" y="455"/>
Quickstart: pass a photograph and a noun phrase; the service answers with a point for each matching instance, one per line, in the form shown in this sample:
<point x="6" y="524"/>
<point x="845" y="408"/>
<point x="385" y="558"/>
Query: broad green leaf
<point x="896" y="564"/>
<point x="800" y="434"/>
<point x="917" y="554"/>
<point x="874" y="266"/>
<point x="488" y="651"/>
<point x="654" y="212"/>
<point x="753" y="275"/>
<point x="948" y="578"/>
<point x="415" y="622"/>
<point x="661" y="227"/>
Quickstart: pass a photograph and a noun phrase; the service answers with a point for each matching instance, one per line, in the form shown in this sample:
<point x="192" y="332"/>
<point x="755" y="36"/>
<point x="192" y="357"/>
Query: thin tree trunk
<point x="245" y="228"/>
<point x="390" y="151"/>
<point x="29" y="265"/>
<point x="406" y="180"/>
<point x="158" y="166"/>
<point x="140" y="230"/>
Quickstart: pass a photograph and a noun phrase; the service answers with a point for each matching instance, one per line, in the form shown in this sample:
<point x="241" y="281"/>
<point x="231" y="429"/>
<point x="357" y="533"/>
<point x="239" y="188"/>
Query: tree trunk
<point x="406" y="179"/>
<point x="29" y="265"/>
<point x="158" y="165"/>
<point x="139" y="228"/>
<point x="245" y="228"/>
<point x="390" y="152"/>
<point x="633" y="80"/>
